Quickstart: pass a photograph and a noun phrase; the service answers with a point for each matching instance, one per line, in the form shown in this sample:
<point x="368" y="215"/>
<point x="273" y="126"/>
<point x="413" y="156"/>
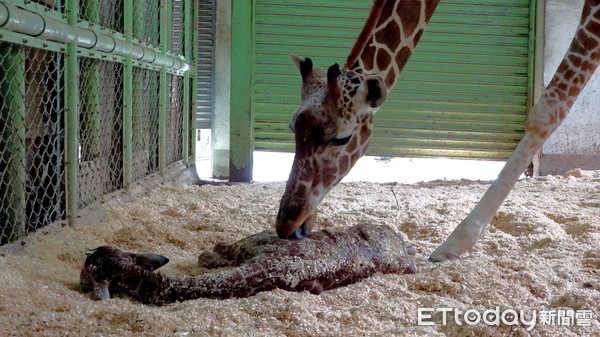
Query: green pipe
<point x="128" y="100"/>
<point x="15" y="19"/>
<point x="163" y="92"/>
<point x="187" y="21"/>
<point x="12" y="92"/>
<point x="71" y="123"/>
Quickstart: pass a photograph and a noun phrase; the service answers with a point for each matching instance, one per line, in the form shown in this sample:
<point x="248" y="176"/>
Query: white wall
<point x="576" y="143"/>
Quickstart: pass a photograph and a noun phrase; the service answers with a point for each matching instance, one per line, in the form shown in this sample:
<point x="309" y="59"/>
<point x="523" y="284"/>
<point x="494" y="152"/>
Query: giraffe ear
<point x="376" y="91"/>
<point x="149" y="261"/>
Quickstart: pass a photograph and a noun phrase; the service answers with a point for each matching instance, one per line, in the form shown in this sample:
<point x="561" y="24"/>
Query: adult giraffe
<point x="333" y="124"/>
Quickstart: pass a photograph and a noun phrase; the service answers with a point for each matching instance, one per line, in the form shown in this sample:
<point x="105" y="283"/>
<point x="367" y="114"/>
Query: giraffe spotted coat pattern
<point x="391" y="32"/>
<point x="260" y="262"/>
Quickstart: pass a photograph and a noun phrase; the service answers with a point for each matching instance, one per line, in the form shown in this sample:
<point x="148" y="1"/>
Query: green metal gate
<point x="463" y="94"/>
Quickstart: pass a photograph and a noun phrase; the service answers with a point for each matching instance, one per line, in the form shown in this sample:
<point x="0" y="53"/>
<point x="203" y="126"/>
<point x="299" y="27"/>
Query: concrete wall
<point x="220" y="124"/>
<point x="576" y="143"/>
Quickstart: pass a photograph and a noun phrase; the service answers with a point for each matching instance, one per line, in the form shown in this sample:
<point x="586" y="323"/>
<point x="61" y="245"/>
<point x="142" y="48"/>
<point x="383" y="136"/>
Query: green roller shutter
<point x="204" y="96"/>
<point x="463" y="94"/>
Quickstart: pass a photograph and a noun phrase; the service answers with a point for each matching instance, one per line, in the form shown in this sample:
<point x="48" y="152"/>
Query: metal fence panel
<point x="118" y="137"/>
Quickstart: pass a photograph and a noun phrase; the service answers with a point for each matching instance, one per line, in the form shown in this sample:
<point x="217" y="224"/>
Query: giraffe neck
<point x="577" y="67"/>
<point x="389" y="37"/>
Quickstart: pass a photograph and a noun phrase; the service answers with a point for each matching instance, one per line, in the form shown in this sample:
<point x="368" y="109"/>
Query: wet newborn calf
<point x="325" y="260"/>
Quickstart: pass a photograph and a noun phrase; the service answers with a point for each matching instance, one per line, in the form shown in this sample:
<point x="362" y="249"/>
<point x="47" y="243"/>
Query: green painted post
<point x="163" y="89"/>
<point x="12" y="191"/>
<point x="71" y="126"/>
<point x="90" y="122"/>
<point x="140" y="135"/>
<point x="187" y="16"/>
<point x="128" y="99"/>
<point x="242" y="118"/>
<point x="194" y="57"/>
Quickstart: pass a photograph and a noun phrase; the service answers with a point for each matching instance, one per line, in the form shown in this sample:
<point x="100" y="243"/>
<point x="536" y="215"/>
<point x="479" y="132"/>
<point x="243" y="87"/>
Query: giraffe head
<point x="332" y="130"/>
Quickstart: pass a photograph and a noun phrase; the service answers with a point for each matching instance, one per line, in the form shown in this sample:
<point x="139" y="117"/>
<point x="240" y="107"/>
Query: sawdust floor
<point x="541" y="252"/>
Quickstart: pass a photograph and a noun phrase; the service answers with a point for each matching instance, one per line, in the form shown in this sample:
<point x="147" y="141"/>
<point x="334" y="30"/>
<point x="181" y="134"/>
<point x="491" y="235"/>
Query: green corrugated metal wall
<point x="463" y="94"/>
<point x="204" y="94"/>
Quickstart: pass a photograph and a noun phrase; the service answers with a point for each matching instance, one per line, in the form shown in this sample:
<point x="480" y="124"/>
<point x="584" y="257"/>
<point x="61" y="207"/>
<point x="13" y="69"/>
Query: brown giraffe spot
<point x="390" y="79"/>
<point x="574" y="91"/>
<point x="344" y="165"/>
<point x="368" y="57"/>
<point x="410" y="16"/>
<point x="383" y="59"/>
<point x="365" y="132"/>
<point x="402" y="57"/>
<point x="355" y="156"/>
<point x="352" y="145"/>
<point x="578" y="48"/>
<point x="390" y="36"/>
<point x="569" y="73"/>
<point x="588" y="67"/>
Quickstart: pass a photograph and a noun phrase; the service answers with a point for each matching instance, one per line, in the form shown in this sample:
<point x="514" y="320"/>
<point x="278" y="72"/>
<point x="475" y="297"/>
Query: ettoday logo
<point x="497" y="317"/>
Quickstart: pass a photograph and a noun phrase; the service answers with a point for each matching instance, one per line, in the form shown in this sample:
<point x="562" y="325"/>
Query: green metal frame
<point x="71" y="120"/>
<point x="242" y="116"/>
<point x="163" y="91"/>
<point x="186" y="83"/>
<point x="128" y="99"/>
<point x="127" y="51"/>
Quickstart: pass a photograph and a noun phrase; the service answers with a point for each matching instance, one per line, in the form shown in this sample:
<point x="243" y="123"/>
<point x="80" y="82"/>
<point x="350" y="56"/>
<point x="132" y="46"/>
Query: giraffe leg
<point x="466" y="234"/>
<point x="578" y="65"/>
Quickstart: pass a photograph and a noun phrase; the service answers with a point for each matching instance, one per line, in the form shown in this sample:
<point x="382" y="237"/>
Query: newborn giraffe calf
<point x="327" y="259"/>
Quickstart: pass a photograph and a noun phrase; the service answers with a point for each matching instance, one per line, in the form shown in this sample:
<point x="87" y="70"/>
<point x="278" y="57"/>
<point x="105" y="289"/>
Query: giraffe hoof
<point x="436" y="258"/>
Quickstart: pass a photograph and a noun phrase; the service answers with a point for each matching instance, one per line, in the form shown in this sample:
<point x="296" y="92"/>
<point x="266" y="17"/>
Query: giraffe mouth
<point x="297" y="227"/>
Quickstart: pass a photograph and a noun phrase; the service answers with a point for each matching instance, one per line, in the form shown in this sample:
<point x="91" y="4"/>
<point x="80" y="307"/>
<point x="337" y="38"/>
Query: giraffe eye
<point x="341" y="141"/>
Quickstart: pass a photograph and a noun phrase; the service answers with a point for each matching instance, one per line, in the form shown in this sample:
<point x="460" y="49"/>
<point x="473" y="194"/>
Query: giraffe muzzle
<point x="294" y="223"/>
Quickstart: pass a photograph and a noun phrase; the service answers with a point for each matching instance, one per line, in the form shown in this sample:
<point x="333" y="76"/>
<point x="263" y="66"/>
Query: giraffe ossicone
<point x="388" y="38"/>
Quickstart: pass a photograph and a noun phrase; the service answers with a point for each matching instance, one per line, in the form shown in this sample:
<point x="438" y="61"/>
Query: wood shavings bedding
<point x="541" y="253"/>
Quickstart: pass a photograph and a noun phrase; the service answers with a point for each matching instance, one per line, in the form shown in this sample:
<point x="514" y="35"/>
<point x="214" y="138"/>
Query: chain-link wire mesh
<point x="145" y="122"/>
<point x="100" y="131"/>
<point x="31" y="146"/>
<point x="34" y="188"/>
<point x="175" y="119"/>
<point x="108" y="13"/>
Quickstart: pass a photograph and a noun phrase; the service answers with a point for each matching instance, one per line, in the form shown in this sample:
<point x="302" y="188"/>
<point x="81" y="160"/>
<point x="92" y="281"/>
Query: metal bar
<point x="187" y="21"/>
<point x="71" y="120"/>
<point x="163" y="92"/>
<point x="89" y="122"/>
<point x="13" y="18"/>
<point x="128" y="99"/>
<point x="13" y="138"/>
<point x="242" y="62"/>
<point x="194" y="61"/>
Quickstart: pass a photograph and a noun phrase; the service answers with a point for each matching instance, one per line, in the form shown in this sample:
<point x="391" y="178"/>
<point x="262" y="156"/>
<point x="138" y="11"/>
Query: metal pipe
<point x="128" y="100"/>
<point x="71" y="121"/>
<point x="163" y="88"/>
<point x="194" y="60"/>
<point x="19" y="20"/>
<point x="187" y="31"/>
